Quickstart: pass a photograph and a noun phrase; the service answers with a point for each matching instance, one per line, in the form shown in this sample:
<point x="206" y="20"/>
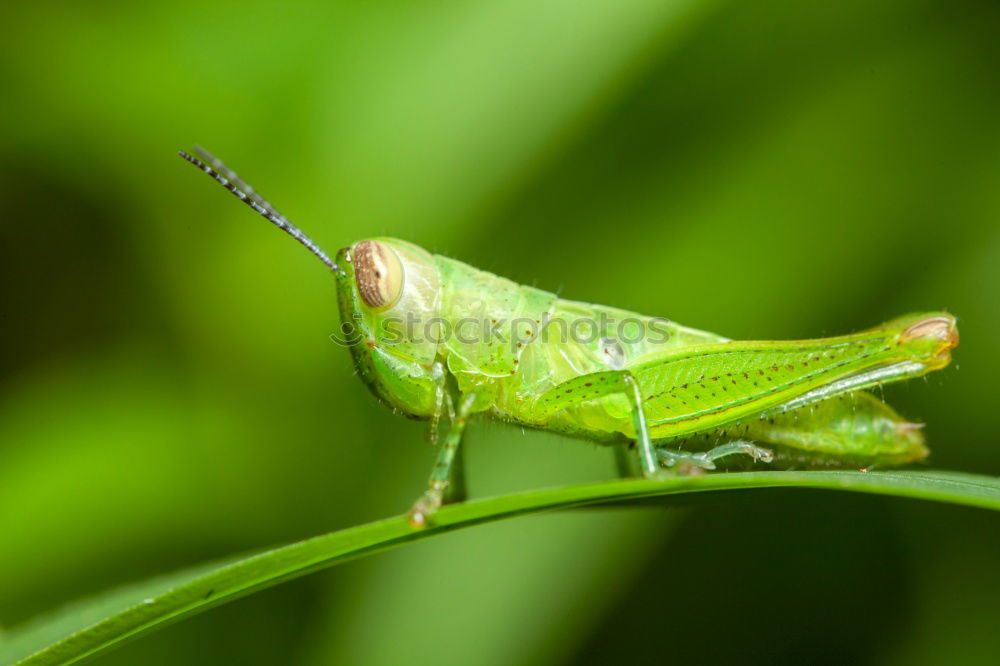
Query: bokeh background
<point x="777" y="169"/>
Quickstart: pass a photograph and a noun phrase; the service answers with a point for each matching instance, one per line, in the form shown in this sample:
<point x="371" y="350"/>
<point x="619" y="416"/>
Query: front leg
<point x="432" y="499"/>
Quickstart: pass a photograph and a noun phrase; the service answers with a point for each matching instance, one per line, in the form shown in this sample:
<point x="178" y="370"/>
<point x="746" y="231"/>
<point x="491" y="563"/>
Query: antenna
<point x="229" y="180"/>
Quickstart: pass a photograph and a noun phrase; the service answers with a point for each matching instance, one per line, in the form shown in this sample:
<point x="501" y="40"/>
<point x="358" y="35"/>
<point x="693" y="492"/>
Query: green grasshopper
<point x="433" y="337"/>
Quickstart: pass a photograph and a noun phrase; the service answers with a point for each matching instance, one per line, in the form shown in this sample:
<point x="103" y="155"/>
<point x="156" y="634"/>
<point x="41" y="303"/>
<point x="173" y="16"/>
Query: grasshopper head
<point x="389" y="294"/>
<point x="384" y="286"/>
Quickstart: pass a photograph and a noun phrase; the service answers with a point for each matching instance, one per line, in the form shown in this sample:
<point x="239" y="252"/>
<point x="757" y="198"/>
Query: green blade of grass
<point x="92" y="626"/>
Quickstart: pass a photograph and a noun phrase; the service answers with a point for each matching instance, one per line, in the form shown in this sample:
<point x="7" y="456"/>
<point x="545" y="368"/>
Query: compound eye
<point x="379" y="274"/>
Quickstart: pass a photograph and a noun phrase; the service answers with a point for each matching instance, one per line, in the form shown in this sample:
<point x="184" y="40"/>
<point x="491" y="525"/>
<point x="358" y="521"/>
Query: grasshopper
<point x="434" y="338"/>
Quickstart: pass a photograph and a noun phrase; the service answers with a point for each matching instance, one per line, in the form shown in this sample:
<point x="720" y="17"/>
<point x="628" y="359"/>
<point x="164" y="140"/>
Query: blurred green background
<point x="773" y="169"/>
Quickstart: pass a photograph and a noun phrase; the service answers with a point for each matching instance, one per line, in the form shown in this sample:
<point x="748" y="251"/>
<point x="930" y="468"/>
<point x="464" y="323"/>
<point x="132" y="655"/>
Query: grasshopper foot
<point x="420" y="513"/>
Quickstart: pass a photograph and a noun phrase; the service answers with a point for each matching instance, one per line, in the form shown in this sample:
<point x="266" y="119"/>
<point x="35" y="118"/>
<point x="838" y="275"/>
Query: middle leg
<point x="599" y="384"/>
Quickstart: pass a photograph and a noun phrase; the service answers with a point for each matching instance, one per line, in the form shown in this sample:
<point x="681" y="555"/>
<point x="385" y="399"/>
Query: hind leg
<point x="706" y="459"/>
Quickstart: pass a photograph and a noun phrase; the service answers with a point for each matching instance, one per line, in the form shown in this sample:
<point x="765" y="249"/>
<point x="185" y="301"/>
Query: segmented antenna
<point x="233" y="177"/>
<point x="229" y="180"/>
